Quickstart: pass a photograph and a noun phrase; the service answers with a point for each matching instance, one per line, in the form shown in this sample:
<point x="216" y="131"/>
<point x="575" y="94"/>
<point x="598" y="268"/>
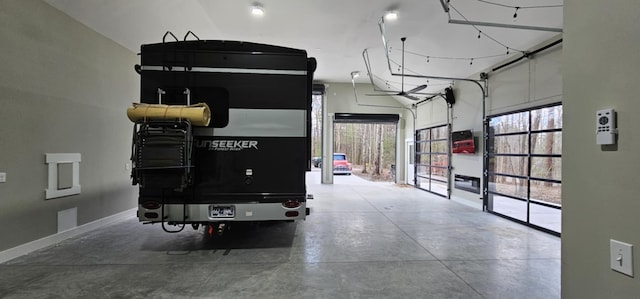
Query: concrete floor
<point x="362" y="240"/>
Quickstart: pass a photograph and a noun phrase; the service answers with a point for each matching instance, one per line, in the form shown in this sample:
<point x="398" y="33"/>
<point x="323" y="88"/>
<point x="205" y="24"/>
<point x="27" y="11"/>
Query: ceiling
<point x="336" y="32"/>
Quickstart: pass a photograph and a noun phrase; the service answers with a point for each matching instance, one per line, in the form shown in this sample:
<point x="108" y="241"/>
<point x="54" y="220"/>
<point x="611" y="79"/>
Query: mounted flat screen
<point x="463" y="142"/>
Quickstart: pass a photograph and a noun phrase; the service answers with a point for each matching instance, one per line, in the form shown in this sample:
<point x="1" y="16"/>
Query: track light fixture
<point x="391" y="15"/>
<point x="257" y="10"/>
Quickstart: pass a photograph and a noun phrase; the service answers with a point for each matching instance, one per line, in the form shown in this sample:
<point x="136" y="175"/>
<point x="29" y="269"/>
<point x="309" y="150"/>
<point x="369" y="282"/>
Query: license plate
<point x="222" y="212"/>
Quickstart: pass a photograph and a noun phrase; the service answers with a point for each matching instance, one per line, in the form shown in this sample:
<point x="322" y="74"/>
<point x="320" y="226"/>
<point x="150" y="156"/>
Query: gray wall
<point x="601" y="185"/>
<point x="63" y="89"/>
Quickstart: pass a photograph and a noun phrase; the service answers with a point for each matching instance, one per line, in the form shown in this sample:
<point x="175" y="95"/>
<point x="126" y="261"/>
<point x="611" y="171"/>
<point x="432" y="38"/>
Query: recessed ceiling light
<point x="257" y="10"/>
<point x="391" y="15"/>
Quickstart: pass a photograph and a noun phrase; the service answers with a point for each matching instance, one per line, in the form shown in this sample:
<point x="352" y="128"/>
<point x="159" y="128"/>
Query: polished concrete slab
<point x="362" y="240"/>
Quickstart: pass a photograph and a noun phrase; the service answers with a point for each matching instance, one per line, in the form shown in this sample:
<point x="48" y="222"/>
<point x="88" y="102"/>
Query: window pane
<point x="423" y="159"/>
<point x="546" y="192"/>
<point x="510" y="144"/>
<point x="509" y="165"/>
<point x="547" y="143"/>
<point x="439" y="133"/>
<point x="546" y="118"/>
<point x="439" y="187"/>
<point x="423" y="170"/>
<point x="517" y="122"/>
<point x="508" y="186"/>
<point x="439" y="146"/>
<point x="412" y="154"/>
<point x="439" y="173"/>
<point x="508" y="206"/>
<point x="423" y="134"/>
<point x="546" y="217"/>
<point x="441" y="160"/>
<point x="423" y="183"/>
<point x="423" y="147"/>
<point x="546" y="168"/>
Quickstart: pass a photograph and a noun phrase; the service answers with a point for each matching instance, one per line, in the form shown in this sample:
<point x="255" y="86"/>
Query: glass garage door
<point x="432" y="160"/>
<point x="523" y="166"/>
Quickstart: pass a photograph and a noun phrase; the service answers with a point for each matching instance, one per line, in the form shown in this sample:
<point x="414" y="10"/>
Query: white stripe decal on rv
<point x="261" y="123"/>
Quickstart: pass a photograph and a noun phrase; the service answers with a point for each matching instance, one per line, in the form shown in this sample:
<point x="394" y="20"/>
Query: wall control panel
<point x="606" y="126"/>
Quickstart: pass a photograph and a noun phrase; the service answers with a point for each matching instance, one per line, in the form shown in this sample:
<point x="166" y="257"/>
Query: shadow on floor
<point x="239" y="236"/>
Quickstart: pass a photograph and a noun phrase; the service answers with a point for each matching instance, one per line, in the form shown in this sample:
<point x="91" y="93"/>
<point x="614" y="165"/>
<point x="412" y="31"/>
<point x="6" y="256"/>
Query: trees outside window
<point x="524" y="165"/>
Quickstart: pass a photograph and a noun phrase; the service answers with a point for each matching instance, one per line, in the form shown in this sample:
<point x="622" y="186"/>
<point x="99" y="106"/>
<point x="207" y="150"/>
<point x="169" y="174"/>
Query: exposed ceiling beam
<point x="512" y="26"/>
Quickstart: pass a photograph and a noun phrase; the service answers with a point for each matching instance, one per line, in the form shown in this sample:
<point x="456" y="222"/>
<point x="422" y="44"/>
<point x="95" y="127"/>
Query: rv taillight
<point x="151" y="205"/>
<point x="291" y="204"/>
<point x="291" y="214"/>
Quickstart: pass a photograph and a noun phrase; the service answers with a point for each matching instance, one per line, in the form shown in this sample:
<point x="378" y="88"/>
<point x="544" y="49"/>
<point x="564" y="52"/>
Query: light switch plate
<point x="621" y="258"/>
<point x="3" y="177"/>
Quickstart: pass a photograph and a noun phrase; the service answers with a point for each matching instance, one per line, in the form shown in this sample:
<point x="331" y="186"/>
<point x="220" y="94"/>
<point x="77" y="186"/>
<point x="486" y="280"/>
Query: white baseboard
<point x="32" y="246"/>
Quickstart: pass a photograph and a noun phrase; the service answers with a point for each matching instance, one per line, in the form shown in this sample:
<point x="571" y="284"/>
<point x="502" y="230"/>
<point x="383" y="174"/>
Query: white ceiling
<point x="336" y="32"/>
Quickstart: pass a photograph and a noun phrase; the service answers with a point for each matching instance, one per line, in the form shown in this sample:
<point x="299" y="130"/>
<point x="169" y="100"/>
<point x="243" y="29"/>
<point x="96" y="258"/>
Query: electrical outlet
<point x="621" y="257"/>
<point x="3" y="177"/>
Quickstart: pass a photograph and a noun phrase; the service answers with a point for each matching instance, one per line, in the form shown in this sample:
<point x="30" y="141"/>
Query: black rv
<point x="249" y="162"/>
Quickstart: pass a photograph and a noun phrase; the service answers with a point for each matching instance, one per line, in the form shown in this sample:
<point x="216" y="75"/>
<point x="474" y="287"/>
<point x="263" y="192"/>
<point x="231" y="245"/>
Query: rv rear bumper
<point x="197" y="213"/>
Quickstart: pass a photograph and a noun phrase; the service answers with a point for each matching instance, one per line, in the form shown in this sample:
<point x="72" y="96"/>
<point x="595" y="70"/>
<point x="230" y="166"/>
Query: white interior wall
<point x="467" y="115"/>
<point x="432" y="113"/>
<point x="531" y="82"/>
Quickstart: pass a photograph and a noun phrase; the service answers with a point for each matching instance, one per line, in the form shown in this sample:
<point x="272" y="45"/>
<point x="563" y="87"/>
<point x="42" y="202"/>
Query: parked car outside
<point x="340" y="164"/>
<point x="316" y="161"/>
